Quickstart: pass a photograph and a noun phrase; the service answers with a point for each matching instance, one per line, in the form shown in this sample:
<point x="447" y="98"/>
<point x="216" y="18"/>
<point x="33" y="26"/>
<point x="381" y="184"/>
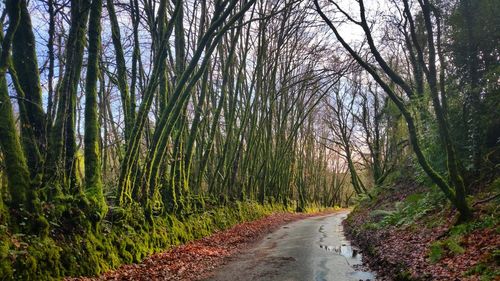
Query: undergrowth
<point x="408" y="206"/>
<point x="406" y="212"/>
<point x="451" y="243"/>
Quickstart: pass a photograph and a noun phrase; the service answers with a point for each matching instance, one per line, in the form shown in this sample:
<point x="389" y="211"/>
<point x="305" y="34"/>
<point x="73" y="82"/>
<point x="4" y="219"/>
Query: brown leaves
<point x="393" y="250"/>
<point x="478" y="245"/>
<point x="195" y="260"/>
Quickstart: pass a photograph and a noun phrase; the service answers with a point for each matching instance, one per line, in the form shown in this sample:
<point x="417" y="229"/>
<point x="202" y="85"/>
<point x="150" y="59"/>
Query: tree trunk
<point x="93" y="180"/>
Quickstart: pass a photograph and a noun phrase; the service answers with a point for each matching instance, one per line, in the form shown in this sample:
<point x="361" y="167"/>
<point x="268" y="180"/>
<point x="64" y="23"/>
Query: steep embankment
<point x="129" y="239"/>
<point x="407" y="233"/>
<point x="132" y="239"/>
<point x="195" y="260"/>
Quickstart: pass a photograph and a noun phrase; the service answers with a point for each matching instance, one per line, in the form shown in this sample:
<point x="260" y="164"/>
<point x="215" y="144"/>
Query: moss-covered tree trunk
<point x="61" y="165"/>
<point x="26" y="66"/>
<point x="438" y="100"/>
<point x="16" y="167"/>
<point x="129" y="167"/>
<point x="180" y="96"/>
<point x="93" y="180"/>
<point x="128" y="110"/>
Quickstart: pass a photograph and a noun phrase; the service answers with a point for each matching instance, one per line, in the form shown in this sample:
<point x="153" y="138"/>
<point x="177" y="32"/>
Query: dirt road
<point x="311" y="249"/>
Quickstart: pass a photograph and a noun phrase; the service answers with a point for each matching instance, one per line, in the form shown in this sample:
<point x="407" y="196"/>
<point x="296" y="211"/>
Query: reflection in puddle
<point x="352" y="254"/>
<point x="344" y="250"/>
<point x="362" y="275"/>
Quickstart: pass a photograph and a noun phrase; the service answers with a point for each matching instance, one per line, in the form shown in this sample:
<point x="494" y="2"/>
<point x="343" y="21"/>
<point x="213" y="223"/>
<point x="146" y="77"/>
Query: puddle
<point x="362" y="275"/>
<point x="351" y="254"/>
<point x="344" y="250"/>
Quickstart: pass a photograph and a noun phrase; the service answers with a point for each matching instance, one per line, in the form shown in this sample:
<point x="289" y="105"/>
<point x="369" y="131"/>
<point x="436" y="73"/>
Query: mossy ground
<point x="124" y="237"/>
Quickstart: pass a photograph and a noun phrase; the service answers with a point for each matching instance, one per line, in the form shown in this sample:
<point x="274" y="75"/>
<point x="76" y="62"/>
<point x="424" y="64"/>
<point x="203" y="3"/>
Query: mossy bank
<point x="409" y="231"/>
<point x="81" y="251"/>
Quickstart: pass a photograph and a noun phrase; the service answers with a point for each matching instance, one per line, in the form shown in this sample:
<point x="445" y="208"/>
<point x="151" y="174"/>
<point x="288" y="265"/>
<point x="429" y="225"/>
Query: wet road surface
<point x="313" y="249"/>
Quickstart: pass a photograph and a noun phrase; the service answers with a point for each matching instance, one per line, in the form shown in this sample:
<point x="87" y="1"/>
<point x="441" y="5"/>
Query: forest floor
<point x="418" y="239"/>
<point x="195" y="260"/>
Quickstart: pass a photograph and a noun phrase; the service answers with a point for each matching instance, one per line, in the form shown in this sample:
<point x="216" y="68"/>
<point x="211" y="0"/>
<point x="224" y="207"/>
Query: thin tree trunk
<point x="93" y="180"/>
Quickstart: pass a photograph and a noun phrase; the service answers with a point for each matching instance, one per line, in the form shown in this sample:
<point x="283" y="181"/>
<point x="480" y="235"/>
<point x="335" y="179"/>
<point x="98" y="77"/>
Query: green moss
<point x="128" y="238"/>
<point x="449" y="245"/>
<point x="438" y="248"/>
<point x="436" y="252"/>
<point x="485" y="272"/>
<point x="5" y="264"/>
<point x="35" y="258"/>
<point x="453" y="245"/>
<point x="41" y="226"/>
